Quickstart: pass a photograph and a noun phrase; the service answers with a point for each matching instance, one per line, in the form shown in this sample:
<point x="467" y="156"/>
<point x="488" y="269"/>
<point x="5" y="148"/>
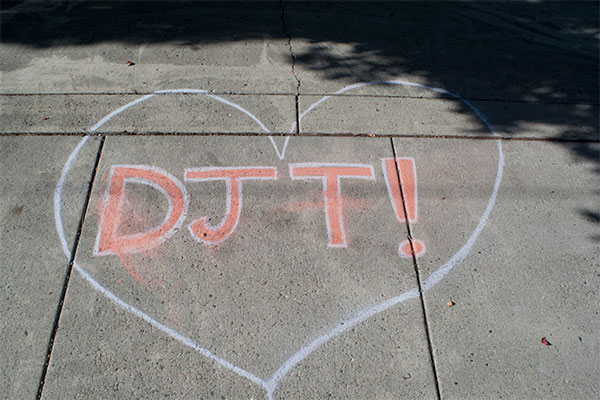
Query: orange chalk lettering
<point x="233" y="177"/>
<point x="330" y="175"/>
<point x="108" y="241"/>
<point x="408" y="177"/>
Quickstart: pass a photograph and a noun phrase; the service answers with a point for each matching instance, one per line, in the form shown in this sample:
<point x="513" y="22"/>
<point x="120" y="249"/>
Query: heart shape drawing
<point x="271" y="383"/>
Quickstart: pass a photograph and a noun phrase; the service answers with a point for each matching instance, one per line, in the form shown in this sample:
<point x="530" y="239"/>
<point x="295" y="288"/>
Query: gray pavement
<point x="179" y="251"/>
<point x="519" y="285"/>
<point x="160" y="114"/>
<point x="32" y="257"/>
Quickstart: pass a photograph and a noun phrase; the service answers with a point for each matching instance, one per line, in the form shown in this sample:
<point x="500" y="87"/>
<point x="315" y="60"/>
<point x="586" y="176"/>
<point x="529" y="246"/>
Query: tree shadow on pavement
<point x="506" y="56"/>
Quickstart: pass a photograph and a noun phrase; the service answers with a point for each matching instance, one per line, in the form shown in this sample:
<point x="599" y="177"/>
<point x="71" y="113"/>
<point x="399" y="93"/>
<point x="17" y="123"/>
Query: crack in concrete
<point x="293" y="55"/>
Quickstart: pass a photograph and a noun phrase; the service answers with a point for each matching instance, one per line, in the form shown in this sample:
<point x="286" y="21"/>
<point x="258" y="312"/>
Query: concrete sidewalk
<point x="296" y="200"/>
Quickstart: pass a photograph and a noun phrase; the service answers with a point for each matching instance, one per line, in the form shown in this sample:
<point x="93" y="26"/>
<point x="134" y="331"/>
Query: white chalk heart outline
<point x="271" y="384"/>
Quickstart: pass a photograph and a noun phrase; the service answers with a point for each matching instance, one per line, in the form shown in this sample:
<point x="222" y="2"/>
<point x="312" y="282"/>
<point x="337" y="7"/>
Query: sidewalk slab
<point x="255" y="299"/>
<point x="547" y="121"/>
<point x="84" y="47"/>
<point x="452" y="45"/>
<point x="174" y="293"/>
<point x="445" y="115"/>
<point x="159" y="114"/>
<point x="33" y="262"/>
<point x="56" y="113"/>
<point x="389" y="116"/>
<point x="532" y="273"/>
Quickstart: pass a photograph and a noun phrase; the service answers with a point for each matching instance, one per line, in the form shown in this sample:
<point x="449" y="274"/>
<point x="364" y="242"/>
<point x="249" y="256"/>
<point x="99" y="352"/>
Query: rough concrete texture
<point x="274" y="285"/>
<point x="92" y="361"/>
<point x="415" y="111"/>
<point x="389" y="116"/>
<point x="198" y="113"/>
<point x="33" y="262"/>
<point x="533" y="273"/>
<point x="163" y="113"/>
<point x="84" y="47"/>
<point x="290" y="316"/>
<point x="540" y="49"/>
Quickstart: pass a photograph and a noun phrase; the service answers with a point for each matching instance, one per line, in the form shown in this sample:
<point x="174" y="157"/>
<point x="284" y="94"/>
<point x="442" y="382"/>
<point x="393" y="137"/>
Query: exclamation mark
<point x="404" y="200"/>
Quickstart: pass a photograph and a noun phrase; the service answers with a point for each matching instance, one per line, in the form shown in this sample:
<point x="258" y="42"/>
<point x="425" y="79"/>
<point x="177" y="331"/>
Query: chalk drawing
<point x="406" y="248"/>
<point x="408" y="176"/>
<point x="405" y="198"/>
<point x="108" y="241"/>
<point x="271" y="383"/>
<point x="331" y="175"/>
<point x="233" y="177"/>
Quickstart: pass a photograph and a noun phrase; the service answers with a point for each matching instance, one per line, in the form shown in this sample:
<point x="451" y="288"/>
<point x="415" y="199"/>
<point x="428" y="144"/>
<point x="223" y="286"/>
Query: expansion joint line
<point x="293" y="56"/>
<point x="67" y="278"/>
<point x="418" y="276"/>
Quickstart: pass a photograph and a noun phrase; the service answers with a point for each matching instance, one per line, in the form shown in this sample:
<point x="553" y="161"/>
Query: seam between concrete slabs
<point x="418" y="277"/>
<point x="383" y="96"/>
<point x="306" y="134"/>
<point x="67" y="279"/>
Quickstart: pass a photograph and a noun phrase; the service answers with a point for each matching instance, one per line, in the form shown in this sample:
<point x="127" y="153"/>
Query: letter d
<point x="108" y="240"/>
